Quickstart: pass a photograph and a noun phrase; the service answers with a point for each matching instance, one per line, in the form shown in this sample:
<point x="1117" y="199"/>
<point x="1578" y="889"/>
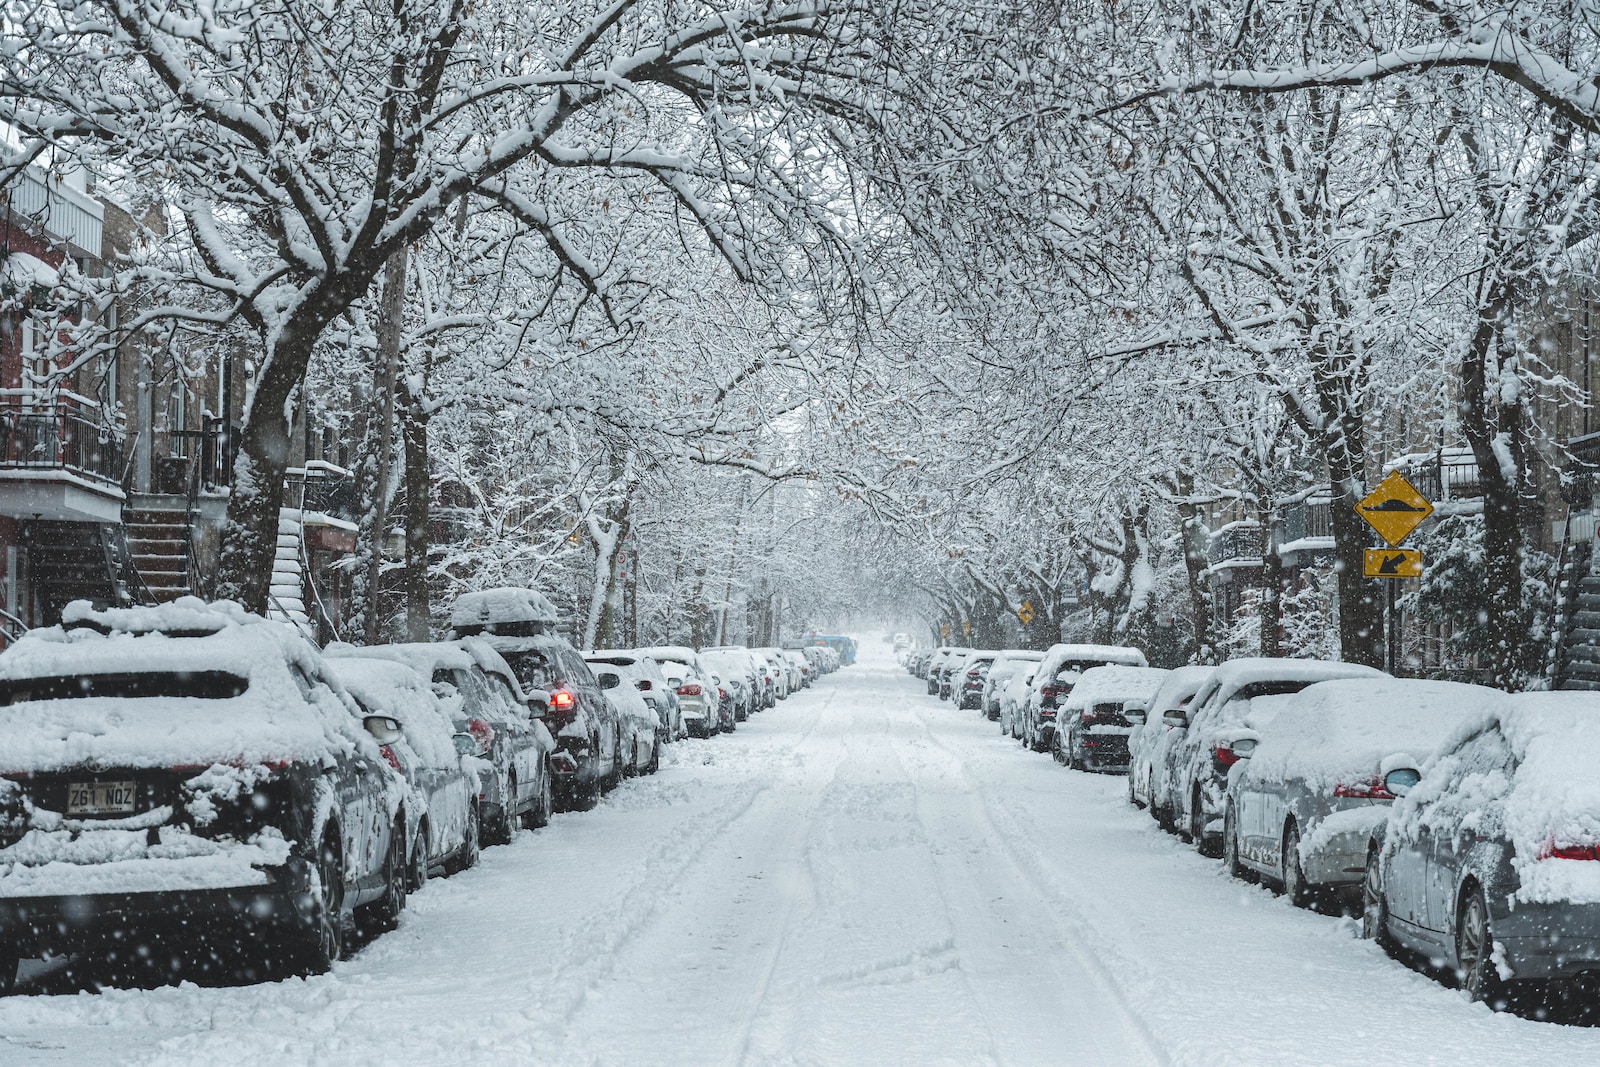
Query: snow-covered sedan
<point x="1092" y="730"/>
<point x="189" y="763"/>
<point x="698" y="700"/>
<point x="641" y="728"/>
<point x="439" y="764"/>
<point x="646" y="676"/>
<point x="1001" y="671"/>
<point x="1147" y="743"/>
<point x="1489" y="862"/>
<point x="1303" y="801"/>
<point x="1239" y="699"/>
<point x="1053" y="680"/>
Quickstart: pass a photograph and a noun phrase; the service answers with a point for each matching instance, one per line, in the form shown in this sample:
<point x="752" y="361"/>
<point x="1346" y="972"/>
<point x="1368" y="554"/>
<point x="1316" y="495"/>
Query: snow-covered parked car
<point x="646" y="676"/>
<point x="520" y="625"/>
<point x="1053" y="680"/>
<point x="698" y="699"/>
<point x="189" y="765"/>
<point x="1005" y="666"/>
<point x="1147" y="742"/>
<point x="739" y="675"/>
<point x="967" y="683"/>
<point x="440" y="764"/>
<point x="1489" y="862"/>
<point x="1014" y="697"/>
<point x="1095" y="720"/>
<point x="481" y="696"/>
<point x="1239" y="699"/>
<point x="1303" y="802"/>
<point x="642" y="733"/>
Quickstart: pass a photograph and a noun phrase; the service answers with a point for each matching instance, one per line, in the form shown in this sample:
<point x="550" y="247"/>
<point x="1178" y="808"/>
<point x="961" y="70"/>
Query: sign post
<point x="1393" y="509"/>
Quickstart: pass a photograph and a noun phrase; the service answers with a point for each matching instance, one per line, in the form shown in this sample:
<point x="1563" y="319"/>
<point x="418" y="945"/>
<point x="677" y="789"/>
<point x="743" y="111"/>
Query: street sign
<point x="1025" y="613"/>
<point x="944" y="631"/>
<point x="1394" y="508"/>
<point x="1392" y="563"/>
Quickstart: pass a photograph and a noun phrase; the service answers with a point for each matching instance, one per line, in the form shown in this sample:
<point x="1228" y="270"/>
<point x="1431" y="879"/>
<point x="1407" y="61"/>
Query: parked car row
<point x="188" y="769"/>
<point x="1460" y="822"/>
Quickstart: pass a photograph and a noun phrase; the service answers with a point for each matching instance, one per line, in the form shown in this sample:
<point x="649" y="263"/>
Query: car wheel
<point x="1230" y="845"/>
<point x="1476" y="969"/>
<point x="499" y="831"/>
<point x="323" y="935"/>
<point x="631" y="769"/>
<point x="419" y="857"/>
<point x="1132" y="799"/>
<point x="383" y="914"/>
<point x="1195" y="825"/>
<point x="466" y="856"/>
<point x="1294" y="877"/>
<point x="539" y="815"/>
<point x="1374" y="904"/>
<point x="655" y="756"/>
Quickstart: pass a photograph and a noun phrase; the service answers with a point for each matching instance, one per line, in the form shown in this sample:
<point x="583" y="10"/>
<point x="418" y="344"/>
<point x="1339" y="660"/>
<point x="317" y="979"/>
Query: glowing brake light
<point x="561" y="699"/>
<point x="1225" y="755"/>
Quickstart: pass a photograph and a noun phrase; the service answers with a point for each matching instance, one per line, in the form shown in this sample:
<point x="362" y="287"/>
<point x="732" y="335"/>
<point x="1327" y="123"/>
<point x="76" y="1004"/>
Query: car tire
<point x="1293" y="875"/>
<point x="1476" y="971"/>
<point x="466" y="856"/>
<point x="382" y="915"/>
<point x="322" y="936"/>
<point x="538" y="816"/>
<point x="655" y="756"/>
<point x="1375" y="903"/>
<point x="1195" y="828"/>
<point x="418" y="868"/>
<point x="1230" y="846"/>
<point x="499" y="831"/>
<point x="631" y="769"/>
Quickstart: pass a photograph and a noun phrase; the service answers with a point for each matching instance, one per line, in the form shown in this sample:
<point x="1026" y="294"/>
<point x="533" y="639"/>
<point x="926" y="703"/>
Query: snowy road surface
<point x="861" y="875"/>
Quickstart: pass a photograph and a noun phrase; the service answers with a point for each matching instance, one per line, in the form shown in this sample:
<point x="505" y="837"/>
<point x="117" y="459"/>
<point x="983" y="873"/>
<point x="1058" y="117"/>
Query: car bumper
<point x="1104" y="752"/>
<point x="62" y="922"/>
<point x="1559" y="940"/>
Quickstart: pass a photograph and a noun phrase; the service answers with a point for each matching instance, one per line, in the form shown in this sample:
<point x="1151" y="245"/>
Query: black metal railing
<point x="1307" y="519"/>
<point x="207" y="454"/>
<point x="322" y="488"/>
<point x="1450" y="474"/>
<point x="1237" y="541"/>
<point x="60" y="434"/>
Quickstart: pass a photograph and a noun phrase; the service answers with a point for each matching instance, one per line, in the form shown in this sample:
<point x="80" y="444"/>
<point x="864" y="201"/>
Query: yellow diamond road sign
<point x="1392" y="563"/>
<point x="1394" y="508"/>
<point x="1025" y="613"/>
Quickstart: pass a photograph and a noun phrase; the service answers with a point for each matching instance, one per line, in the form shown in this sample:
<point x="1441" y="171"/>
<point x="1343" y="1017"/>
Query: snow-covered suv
<point x="189" y="762"/>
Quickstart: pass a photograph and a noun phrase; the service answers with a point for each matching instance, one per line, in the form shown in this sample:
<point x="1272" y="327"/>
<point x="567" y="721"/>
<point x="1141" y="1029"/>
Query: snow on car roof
<point x="506" y="604"/>
<point x="270" y="720"/>
<point x="1114" y="682"/>
<point x="1236" y="674"/>
<point x="425" y="657"/>
<point x="1554" y="796"/>
<point x="1105" y="653"/>
<point x="1180" y="685"/>
<point x="1343" y="732"/>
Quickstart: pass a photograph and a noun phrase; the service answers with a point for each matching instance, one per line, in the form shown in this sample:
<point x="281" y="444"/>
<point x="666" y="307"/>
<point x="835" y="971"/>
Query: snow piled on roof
<point x="1177" y="688"/>
<point x="1114" y="683"/>
<point x="506" y="604"/>
<point x="269" y="721"/>
<point x="424" y="657"/>
<point x="1343" y="732"/>
<point x="1238" y="673"/>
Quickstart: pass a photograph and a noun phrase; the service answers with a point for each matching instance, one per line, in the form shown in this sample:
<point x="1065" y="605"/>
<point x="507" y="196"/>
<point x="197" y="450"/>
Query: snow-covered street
<point x="862" y="875"/>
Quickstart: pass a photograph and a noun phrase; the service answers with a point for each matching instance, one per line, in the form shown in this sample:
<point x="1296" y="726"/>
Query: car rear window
<point x="207" y="685"/>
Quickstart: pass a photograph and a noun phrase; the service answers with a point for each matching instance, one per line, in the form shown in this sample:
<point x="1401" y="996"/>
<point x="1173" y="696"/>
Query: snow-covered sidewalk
<point x="862" y="875"/>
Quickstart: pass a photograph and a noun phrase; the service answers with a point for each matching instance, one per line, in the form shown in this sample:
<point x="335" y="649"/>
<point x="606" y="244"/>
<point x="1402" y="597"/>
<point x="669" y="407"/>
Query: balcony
<point x="1238" y="544"/>
<point x="59" y="459"/>
<point x="1445" y="475"/>
<point x="64" y="211"/>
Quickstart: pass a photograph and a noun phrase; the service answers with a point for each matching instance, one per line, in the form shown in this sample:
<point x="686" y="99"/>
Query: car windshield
<point x="207" y="685"/>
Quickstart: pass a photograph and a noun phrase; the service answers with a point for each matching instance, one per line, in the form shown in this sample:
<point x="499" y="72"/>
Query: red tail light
<point x="1225" y="756"/>
<point x="561" y="700"/>
<point x="1052" y="692"/>
<point x="483" y="733"/>
<point x="1569" y="852"/>
<point x="690" y="690"/>
<point x="388" y="756"/>
<point x="1373" y="790"/>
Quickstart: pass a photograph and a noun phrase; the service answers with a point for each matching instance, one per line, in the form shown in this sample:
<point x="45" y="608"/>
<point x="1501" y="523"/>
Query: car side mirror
<point x="1136" y="716"/>
<point x="1401" y="780"/>
<point x="466" y="744"/>
<point x="1177" y="719"/>
<point x="1244" y="747"/>
<point x="385" y="729"/>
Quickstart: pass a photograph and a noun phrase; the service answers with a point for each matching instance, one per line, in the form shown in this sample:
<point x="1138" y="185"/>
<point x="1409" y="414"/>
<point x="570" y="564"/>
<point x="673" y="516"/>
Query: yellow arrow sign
<point x="1392" y="563"/>
<point x="1394" y="508"/>
<point x="1025" y="613"/>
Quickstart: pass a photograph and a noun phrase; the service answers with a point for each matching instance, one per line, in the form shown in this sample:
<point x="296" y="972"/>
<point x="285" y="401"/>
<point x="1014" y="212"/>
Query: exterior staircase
<point x="158" y="542"/>
<point x="1576" y="662"/>
<point x="75" y="561"/>
<point x="288" y="576"/>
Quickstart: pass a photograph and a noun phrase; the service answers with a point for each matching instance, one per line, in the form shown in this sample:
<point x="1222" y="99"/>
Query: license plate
<point x="100" y="798"/>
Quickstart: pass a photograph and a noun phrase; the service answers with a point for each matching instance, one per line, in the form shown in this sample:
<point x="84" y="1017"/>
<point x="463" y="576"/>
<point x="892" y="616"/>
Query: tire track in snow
<point x="1133" y="1034"/>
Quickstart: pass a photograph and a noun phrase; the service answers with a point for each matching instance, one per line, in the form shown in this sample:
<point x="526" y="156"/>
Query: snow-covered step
<point x="288" y="580"/>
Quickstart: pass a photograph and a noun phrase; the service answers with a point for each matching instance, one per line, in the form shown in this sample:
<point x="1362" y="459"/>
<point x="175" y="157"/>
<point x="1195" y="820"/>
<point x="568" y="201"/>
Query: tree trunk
<point x="1360" y="610"/>
<point x="1271" y="593"/>
<point x="250" y="529"/>
<point x="1196" y="563"/>
<point x="419" y="489"/>
<point x="390" y="320"/>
